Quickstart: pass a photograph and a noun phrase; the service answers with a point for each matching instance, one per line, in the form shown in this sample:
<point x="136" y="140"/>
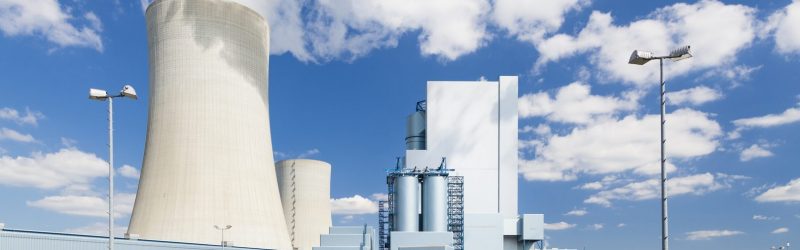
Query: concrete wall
<point x="208" y="156"/>
<point x="305" y="187"/>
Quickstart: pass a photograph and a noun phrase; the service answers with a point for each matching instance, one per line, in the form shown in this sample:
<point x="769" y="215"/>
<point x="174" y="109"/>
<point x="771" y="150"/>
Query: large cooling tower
<point x="305" y="187"/>
<point x="208" y="157"/>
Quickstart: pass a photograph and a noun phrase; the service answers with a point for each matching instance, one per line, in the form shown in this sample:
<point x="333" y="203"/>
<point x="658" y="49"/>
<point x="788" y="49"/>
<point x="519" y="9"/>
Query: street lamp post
<point x="102" y="95"/>
<point x="222" y="231"/>
<point x="640" y="58"/>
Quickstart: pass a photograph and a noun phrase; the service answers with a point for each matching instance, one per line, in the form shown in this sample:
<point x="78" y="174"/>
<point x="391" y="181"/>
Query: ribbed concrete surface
<point x="305" y="188"/>
<point x="208" y="156"/>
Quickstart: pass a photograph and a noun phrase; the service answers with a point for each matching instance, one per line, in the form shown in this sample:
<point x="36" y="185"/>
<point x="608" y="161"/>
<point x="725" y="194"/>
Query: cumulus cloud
<point x="353" y="205"/>
<point x="595" y="226"/>
<point x="65" y="168"/>
<point x="91" y="206"/>
<point x="29" y="118"/>
<point x="784" y="24"/>
<point x="48" y="19"/>
<point x="754" y="151"/>
<point x="651" y="189"/>
<point x="577" y="212"/>
<point x="128" y="171"/>
<point x="781" y="230"/>
<point x="10" y="134"/>
<point x="710" y="234"/>
<point x="558" y="226"/>
<point x="615" y="146"/>
<point x="574" y="104"/>
<point x="786" y="193"/>
<point x="716" y="30"/>
<point x="532" y="20"/>
<point x="764" y="217"/>
<point x="790" y="115"/>
<point x="693" y="96"/>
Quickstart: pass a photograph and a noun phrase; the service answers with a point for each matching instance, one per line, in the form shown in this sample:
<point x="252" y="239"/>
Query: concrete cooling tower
<point x="208" y="156"/>
<point x="305" y="194"/>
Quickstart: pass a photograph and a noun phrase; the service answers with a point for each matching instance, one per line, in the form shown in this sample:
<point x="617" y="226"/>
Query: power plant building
<point x="461" y="149"/>
<point x="208" y="156"/>
<point x="305" y="194"/>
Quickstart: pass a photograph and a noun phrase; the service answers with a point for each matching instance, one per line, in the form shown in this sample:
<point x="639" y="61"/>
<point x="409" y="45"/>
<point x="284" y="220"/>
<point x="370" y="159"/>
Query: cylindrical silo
<point x="406" y="204"/>
<point x="305" y="187"/>
<point x="208" y="155"/>
<point x="434" y="203"/>
<point x="415" y="131"/>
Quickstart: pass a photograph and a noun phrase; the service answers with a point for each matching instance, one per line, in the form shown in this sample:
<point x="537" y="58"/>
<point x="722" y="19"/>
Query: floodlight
<point x="129" y="92"/>
<point x="97" y="94"/>
<point x="640" y="57"/>
<point x="680" y="53"/>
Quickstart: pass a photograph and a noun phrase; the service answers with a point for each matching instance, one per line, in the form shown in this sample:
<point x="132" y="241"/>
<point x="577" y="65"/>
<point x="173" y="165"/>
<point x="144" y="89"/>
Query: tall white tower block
<point x="208" y="156"/>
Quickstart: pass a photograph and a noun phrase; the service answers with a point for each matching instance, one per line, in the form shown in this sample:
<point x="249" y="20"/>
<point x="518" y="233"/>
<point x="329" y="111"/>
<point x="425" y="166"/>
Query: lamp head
<point x="640" y="57"/>
<point x="228" y="227"/>
<point x="97" y="94"/>
<point x="680" y="53"/>
<point x="129" y="92"/>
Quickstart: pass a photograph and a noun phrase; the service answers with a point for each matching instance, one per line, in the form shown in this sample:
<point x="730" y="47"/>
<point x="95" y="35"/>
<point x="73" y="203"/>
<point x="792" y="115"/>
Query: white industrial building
<point x="465" y="132"/>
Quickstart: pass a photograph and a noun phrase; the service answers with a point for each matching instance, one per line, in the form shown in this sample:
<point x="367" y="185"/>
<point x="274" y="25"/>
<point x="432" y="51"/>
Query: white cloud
<point x="628" y="144"/>
<point x="577" y="212"/>
<point x="48" y="19"/>
<point x="651" y="189"/>
<point x="354" y="205"/>
<point x="596" y="226"/>
<point x="308" y="153"/>
<point x="621" y="225"/>
<point x="448" y="29"/>
<point x="30" y="117"/>
<point x="128" y="171"/>
<point x="764" y="217"/>
<point x="65" y="168"/>
<point x="574" y="104"/>
<point x="754" y="151"/>
<point x="99" y="229"/>
<point x="716" y="32"/>
<point x="710" y="234"/>
<point x="10" y="134"/>
<point x="531" y="20"/>
<point x="91" y="206"/>
<point x="781" y="230"/>
<point x="790" y="115"/>
<point x="784" y="24"/>
<point x="558" y="226"/>
<point x="693" y="96"/>
<point x="787" y="193"/>
<point x="603" y="183"/>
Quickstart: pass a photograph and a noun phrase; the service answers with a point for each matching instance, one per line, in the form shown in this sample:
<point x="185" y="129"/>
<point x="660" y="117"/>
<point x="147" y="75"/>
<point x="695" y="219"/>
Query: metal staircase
<point x="455" y="210"/>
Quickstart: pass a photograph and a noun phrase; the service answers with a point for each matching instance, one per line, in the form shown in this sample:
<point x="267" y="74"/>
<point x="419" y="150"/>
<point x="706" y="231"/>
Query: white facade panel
<point x="462" y="126"/>
<point x="208" y="156"/>
<point x="475" y="125"/>
<point x="483" y="231"/>
<point x="508" y="140"/>
<point x="305" y="188"/>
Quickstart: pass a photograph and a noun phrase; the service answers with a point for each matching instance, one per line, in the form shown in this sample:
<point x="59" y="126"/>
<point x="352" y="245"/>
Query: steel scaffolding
<point x="455" y="210"/>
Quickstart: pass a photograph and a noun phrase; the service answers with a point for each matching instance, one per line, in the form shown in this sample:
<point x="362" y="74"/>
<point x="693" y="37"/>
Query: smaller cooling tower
<point x="306" y="197"/>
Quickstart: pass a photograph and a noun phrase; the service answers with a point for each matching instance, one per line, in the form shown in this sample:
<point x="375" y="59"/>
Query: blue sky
<point x="344" y="74"/>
